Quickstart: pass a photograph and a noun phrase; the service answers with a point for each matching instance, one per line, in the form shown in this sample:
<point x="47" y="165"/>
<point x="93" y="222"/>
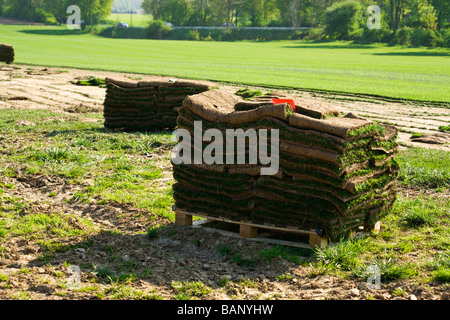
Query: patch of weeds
<point x="222" y="282"/>
<point x="190" y="290"/>
<point x="104" y="272"/>
<point x="287" y="253"/>
<point x="342" y="255"/>
<point x="399" y="292"/>
<point x="87" y="289"/>
<point x="79" y="196"/>
<point x="126" y="292"/>
<point x="3" y="278"/>
<point x="53" y="154"/>
<point x="128" y="265"/>
<point x="248" y="283"/>
<point x="22" y="295"/>
<point x="84" y="244"/>
<point x="421" y="212"/>
<point x="145" y="273"/>
<point x="441" y="267"/>
<point x="317" y="270"/>
<point x="109" y="276"/>
<point x="285" y="277"/>
<point x="250" y="262"/>
<point x="417" y="135"/>
<point x="33" y="225"/>
<point x="24" y="271"/>
<point x="9" y="172"/>
<point x="444" y="129"/>
<point x="51" y="246"/>
<point x="108" y="249"/>
<point x="389" y="269"/>
<point x="7" y="185"/>
<point x="154" y="232"/>
<point x="46" y="257"/>
<point x="419" y="218"/>
<point x="442" y="275"/>
<point x="224" y="250"/>
<point x="424" y="168"/>
<point x="125" y="277"/>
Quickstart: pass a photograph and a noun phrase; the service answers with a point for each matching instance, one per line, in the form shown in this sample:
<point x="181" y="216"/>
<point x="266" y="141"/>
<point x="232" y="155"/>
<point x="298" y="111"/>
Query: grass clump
<point x="389" y="269"/>
<point x="187" y="290"/>
<point x="342" y="255"/>
<point x="153" y="232"/>
<point x="248" y="94"/>
<point x="424" y="168"/>
<point x="92" y="81"/>
<point x="421" y="212"/>
<point x="242" y="260"/>
<point x="53" y="154"/>
<point x="441" y="267"/>
<point x="287" y="253"/>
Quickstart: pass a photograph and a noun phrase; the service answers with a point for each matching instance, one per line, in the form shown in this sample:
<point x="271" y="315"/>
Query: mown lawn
<point x="396" y="72"/>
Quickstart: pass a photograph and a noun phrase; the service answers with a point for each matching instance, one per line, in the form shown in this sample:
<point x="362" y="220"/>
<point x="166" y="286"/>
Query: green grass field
<point x="397" y="72"/>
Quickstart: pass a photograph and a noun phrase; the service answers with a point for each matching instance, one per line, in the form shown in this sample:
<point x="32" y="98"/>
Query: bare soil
<point x="177" y="253"/>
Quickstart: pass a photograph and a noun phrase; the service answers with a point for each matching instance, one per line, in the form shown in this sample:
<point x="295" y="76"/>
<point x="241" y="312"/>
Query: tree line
<point x="294" y="13"/>
<point x="407" y="22"/>
<point x="417" y="22"/>
<point x="55" y="11"/>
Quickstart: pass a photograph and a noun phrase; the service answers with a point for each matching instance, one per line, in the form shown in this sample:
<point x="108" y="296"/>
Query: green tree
<point x="199" y="13"/>
<point x="342" y="19"/>
<point x="442" y="8"/>
<point x="176" y="11"/>
<point x="57" y="8"/>
<point x="225" y="11"/>
<point x="154" y="7"/>
<point x="396" y="11"/>
<point x="92" y="11"/>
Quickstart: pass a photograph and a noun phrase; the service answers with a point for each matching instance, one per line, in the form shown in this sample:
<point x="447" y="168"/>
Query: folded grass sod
<point x="335" y="173"/>
<point x="91" y="81"/>
<point x="6" y="53"/>
<point x="149" y="104"/>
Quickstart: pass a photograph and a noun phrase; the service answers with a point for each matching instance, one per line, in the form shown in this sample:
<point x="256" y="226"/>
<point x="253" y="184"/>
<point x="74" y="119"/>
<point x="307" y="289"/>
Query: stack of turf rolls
<point x="148" y="104"/>
<point x="336" y="173"/>
<point x="6" y="53"/>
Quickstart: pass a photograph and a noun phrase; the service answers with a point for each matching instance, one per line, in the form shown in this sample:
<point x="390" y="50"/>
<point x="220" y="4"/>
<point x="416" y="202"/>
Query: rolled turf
<point x="149" y="104"/>
<point x="6" y="53"/>
<point x="335" y="173"/>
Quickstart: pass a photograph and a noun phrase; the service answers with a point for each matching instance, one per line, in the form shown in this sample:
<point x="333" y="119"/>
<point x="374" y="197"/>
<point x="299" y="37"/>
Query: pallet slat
<point x="250" y="230"/>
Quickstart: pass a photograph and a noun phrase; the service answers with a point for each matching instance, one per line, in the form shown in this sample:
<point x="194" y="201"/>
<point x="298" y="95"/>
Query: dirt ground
<point x="33" y="87"/>
<point x="178" y="253"/>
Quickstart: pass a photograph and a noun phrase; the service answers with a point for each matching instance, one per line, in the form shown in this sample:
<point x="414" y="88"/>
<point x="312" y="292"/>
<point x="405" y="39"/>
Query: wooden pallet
<point x="250" y="230"/>
<point x="259" y="232"/>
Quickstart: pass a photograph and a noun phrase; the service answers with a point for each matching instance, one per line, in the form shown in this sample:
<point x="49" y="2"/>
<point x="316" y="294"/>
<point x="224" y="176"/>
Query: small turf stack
<point x="6" y="53"/>
<point x="335" y="173"/>
<point x="149" y="104"/>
